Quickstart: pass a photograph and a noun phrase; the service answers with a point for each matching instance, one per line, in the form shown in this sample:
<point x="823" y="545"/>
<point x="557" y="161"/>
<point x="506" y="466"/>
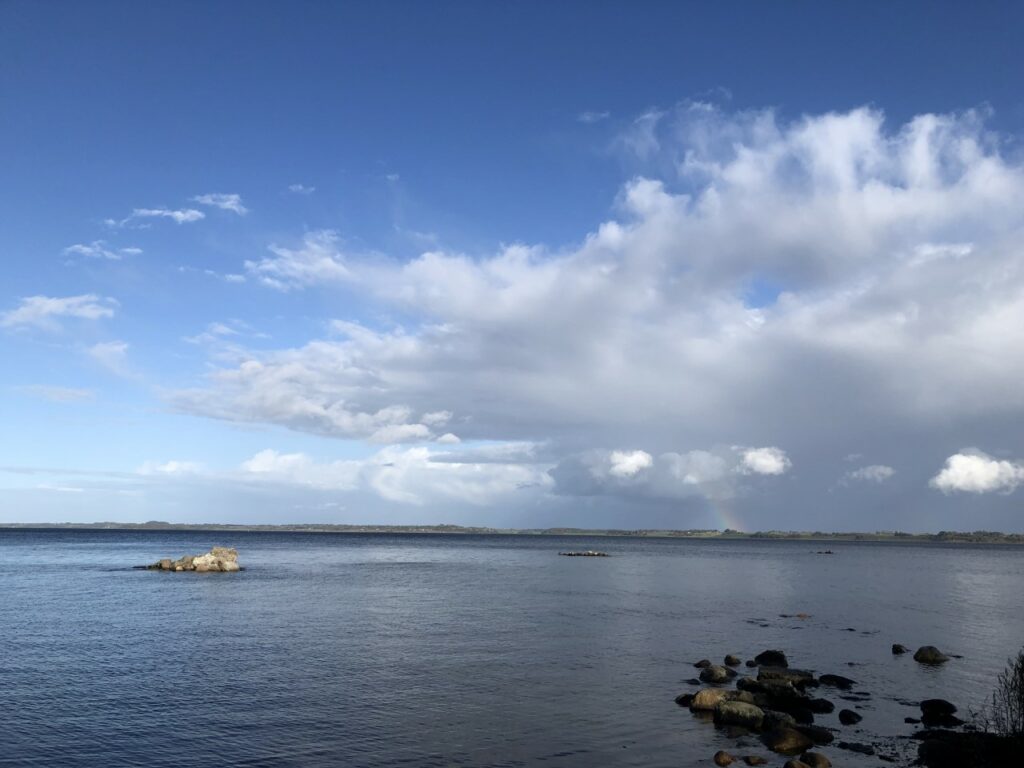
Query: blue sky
<point x="630" y="264"/>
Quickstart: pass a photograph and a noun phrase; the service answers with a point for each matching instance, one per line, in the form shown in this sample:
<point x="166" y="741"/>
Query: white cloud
<point x="301" y="189"/>
<point x="98" y="249"/>
<point x="893" y="257"/>
<point x="172" y="467"/>
<point x="403" y="475"/>
<point x="591" y="116"/>
<point x="226" y="202"/>
<point x="976" y="472"/>
<point x="182" y="216"/>
<point x="317" y="261"/>
<point x="112" y="355"/>
<point x="448" y="438"/>
<point x="58" y="394"/>
<point x="873" y="473"/>
<point x="46" y="312"/>
<point x="629" y="463"/>
<point x="765" y="461"/>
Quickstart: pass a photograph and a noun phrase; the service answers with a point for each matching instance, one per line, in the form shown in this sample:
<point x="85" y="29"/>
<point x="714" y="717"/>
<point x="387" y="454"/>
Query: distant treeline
<point x="966" y="537"/>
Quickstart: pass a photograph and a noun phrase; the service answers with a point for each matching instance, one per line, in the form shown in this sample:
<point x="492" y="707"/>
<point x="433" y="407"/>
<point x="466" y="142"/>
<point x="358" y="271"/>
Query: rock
<point x="751" y="663"/>
<point x="820" y="706"/>
<point x="755" y="760"/>
<point x="863" y="749"/>
<point x="732" y="661"/>
<point x="837" y="681"/>
<point x="771" y="659"/>
<point x="723" y="758"/>
<point x="849" y="717"/>
<point x="794" y="763"/>
<point x="707" y="699"/>
<point x="816" y="733"/>
<point x="786" y="741"/>
<point x="218" y="559"/>
<point x="703" y="663"/>
<point x="684" y="699"/>
<point x="716" y="674"/>
<point x="784" y="673"/>
<point x="773" y="720"/>
<point x="929" y="654"/>
<point x="911" y="720"/>
<point x="939" y="713"/>
<point x="739" y="713"/>
<point x="693" y="681"/>
<point x="815" y="760"/>
<point x="898" y="649"/>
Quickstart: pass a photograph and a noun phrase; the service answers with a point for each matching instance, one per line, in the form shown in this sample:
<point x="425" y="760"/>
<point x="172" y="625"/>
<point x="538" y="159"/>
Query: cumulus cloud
<point x="46" y="312"/>
<point x="628" y="463"/>
<point x="805" y="283"/>
<point x="765" y="461"/>
<point x="976" y="472"/>
<point x="98" y="249"/>
<point x="226" y="202"/>
<point x="404" y="475"/>
<point x="873" y="473"/>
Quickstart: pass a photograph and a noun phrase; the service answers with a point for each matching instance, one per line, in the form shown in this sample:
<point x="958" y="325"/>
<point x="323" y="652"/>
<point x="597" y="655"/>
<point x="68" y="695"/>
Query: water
<point x="377" y="650"/>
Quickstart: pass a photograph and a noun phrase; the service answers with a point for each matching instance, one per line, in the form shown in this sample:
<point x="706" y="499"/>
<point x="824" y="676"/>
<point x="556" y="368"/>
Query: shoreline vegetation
<point x="944" y="537"/>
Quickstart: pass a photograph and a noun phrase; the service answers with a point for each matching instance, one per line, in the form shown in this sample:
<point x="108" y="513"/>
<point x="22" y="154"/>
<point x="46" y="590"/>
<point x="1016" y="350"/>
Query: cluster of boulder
<point x="217" y="560"/>
<point x="780" y="704"/>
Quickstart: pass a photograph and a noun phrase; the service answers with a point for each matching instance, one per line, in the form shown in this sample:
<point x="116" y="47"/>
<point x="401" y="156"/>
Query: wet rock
<point x="703" y="663"/>
<point x="794" y="763"/>
<point x="863" y="749"/>
<point x="751" y="663"/>
<point x="773" y="719"/>
<point x="716" y="674"/>
<point x="849" y="717"/>
<point x="739" y="713"/>
<point x="929" y="654"/>
<point x="837" y="681"/>
<point x="939" y="713"/>
<point x="786" y="741"/>
<point x="723" y="758"/>
<point x="815" y="760"/>
<point x="911" y="720"/>
<point x="771" y="659"/>
<point x="708" y="698"/>
<point x="820" y="706"/>
<point x="950" y="749"/>
<point x="217" y="560"/>
<point x="755" y="760"/>
<point x="693" y="681"/>
<point x="898" y="649"/>
<point x="796" y="677"/>
<point x="816" y="733"/>
<point x="684" y="699"/>
<point x="732" y="661"/>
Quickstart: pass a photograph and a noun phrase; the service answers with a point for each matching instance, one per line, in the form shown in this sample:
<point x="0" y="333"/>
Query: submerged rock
<point x="849" y="717"/>
<point x="929" y="654"/>
<point x="837" y="681"/>
<point x="716" y="674"/>
<point x="787" y="741"/>
<point x="771" y="659"/>
<point x="217" y="560"/>
<point x="898" y="649"/>
<point x="755" y="760"/>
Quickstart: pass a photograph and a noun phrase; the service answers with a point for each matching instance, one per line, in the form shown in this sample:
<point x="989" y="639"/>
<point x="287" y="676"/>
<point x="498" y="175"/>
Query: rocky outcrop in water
<point x="217" y="560"/>
<point x="588" y="553"/>
<point x="929" y="654"/>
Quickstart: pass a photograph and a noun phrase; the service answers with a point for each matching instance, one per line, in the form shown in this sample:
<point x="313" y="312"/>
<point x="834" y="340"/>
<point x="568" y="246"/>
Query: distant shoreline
<point x="946" y="537"/>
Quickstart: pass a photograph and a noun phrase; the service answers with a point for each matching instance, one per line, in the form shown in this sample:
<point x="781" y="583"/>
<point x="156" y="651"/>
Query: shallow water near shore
<point x="436" y="650"/>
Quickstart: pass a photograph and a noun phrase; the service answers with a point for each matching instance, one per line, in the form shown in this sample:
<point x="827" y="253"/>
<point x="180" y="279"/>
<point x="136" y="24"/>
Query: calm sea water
<point x="376" y="650"/>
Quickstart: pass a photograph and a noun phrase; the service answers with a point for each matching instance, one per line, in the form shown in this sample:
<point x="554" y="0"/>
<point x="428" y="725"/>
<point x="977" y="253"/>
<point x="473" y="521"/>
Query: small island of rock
<point x="217" y="560"/>
<point x="588" y="553"/>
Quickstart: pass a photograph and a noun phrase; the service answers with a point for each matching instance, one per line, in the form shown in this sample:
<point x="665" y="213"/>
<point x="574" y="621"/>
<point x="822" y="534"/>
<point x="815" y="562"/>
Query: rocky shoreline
<point x="777" y="705"/>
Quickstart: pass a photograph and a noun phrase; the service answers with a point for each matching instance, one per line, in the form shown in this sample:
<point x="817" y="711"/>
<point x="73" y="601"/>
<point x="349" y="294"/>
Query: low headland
<point x="943" y="537"/>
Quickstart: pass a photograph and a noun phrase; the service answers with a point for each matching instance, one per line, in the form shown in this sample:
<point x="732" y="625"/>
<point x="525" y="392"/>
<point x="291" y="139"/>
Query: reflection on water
<point x="461" y="650"/>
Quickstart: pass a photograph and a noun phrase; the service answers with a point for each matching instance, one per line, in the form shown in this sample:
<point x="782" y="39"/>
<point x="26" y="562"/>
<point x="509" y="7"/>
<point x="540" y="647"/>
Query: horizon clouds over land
<point x="309" y="284"/>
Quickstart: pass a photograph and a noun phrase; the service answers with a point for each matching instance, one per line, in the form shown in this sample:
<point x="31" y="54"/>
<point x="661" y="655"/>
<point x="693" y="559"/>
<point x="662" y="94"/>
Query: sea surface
<point x="438" y="650"/>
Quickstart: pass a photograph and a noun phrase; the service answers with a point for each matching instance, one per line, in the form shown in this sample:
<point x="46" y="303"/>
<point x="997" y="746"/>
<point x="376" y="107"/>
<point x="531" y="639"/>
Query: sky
<point x="605" y="264"/>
